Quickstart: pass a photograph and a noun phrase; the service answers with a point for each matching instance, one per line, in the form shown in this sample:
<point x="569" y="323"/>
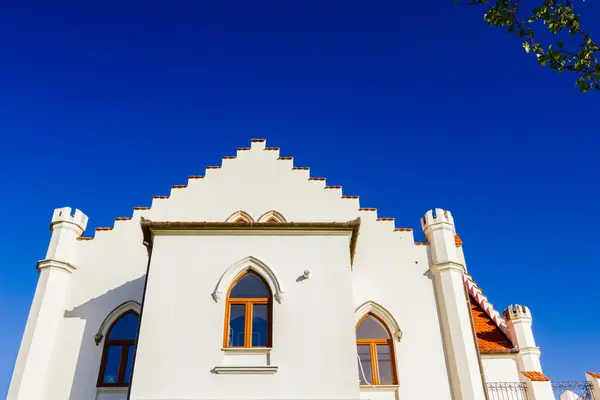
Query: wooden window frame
<point x="241" y="220"/>
<point x="125" y="345"/>
<point x="272" y="220"/>
<point x="249" y="303"/>
<point x="372" y="343"/>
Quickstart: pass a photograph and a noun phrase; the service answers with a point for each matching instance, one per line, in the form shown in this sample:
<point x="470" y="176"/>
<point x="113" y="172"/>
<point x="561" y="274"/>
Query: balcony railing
<point x="573" y="390"/>
<point x="507" y="391"/>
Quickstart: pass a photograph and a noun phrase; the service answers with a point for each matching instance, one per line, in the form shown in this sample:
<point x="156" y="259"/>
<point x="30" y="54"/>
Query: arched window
<point x="248" y="312"/>
<point x="273" y="220"/>
<point x="241" y="220"/>
<point x="375" y="352"/>
<point x="119" y="346"/>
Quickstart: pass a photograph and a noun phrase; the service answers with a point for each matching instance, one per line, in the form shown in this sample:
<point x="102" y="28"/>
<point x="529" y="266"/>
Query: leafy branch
<point x="559" y="17"/>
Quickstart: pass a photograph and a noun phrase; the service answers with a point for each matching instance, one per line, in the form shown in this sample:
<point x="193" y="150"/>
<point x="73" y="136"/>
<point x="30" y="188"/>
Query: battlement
<point x="438" y="216"/>
<point x="517" y="311"/>
<point x="64" y="215"/>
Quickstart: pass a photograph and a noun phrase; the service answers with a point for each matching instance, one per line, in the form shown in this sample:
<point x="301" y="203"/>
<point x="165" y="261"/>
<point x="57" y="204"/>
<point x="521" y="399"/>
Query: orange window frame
<point x="249" y="303"/>
<point x="372" y="343"/>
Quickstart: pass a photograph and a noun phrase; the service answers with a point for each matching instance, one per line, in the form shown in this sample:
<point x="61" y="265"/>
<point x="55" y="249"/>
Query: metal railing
<point x="507" y="391"/>
<point x="573" y="390"/>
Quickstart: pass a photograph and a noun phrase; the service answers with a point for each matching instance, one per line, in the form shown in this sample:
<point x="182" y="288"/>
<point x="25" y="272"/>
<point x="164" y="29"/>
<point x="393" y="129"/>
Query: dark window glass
<point x="129" y="364"/>
<point x="125" y="328"/>
<point x="384" y="364"/>
<point x="371" y="328"/>
<point x="364" y="364"/>
<point x="249" y="286"/>
<point x="237" y="322"/>
<point x="260" y="325"/>
<point x="113" y="362"/>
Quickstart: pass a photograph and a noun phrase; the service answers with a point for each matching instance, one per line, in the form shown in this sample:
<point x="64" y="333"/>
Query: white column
<point x="459" y="340"/>
<point x="48" y="307"/>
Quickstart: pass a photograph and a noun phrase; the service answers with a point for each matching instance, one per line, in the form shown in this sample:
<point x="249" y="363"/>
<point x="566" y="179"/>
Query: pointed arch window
<point x="241" y="220"/>
<point x="248" y="312"/>
<point x="119" y="347"/>
<point x="375" y="352"/>
<point x="273" y="220"/>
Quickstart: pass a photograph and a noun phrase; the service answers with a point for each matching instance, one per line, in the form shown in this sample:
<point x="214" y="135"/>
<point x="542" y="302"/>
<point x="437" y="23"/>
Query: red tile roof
<point x="457" y="241"/>
<point x="594" y="375"/>
<point x="535" y="376"/>
<point x="489" y="336"/>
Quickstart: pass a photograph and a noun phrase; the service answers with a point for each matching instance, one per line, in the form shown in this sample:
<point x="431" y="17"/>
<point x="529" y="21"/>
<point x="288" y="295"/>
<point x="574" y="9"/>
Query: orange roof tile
<point x="457" y="241"/>
<point x="535" y="376"/>
<point x="593" y="374"/>
<point x="489" y="336"/>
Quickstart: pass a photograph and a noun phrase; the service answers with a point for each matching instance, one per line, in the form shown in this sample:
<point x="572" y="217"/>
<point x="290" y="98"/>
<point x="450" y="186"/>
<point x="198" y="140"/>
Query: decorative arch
<point x="114" y="315"/>
<point x="240" y="217"/>
<point x="257" y="266"/>
<point x="272" y="216"/>
<point x="370" y="307"/>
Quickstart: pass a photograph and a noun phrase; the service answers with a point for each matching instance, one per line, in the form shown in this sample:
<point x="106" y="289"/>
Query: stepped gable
<point x="174" y="207"/>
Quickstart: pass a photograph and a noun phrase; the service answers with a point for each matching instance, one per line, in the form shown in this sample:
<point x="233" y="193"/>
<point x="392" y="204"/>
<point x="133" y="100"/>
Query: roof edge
<point x="352" y="226"/>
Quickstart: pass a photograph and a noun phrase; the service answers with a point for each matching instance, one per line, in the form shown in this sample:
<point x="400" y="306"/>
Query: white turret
<point x="48" y="307"/>
<point x="459" y="338"/>
<point x="66" y="228"/>
<point x="518" y="321"/>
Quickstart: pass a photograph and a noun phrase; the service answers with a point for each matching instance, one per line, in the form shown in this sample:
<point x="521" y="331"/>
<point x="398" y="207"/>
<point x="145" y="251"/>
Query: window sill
<point x="379" y="388"/>
<point x="112" y="388"/>
<point x="248" y="370"/>
<point x="246" y="350"/>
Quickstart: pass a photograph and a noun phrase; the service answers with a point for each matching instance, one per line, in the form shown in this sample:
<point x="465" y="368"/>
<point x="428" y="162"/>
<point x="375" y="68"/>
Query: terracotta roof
<point x="457" y="241"/>
<point x="535" y="376"/>
<point x="490" y="337"/>
<point x="594" y="375"/>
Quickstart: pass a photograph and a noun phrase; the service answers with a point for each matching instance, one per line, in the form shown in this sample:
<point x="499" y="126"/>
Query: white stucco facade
<point x="327" y="263"/>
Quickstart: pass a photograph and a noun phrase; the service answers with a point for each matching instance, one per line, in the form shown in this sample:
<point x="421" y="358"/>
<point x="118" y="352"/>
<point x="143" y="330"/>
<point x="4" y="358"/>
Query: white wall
<point x="501" y="368"/>
<point x="182" y="326"/>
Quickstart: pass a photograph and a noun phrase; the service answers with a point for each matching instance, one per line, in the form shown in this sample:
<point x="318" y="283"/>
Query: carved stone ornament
<point x="98" y="338"/>
<point x="217" y="296"/>
<point x="279" y="297"/>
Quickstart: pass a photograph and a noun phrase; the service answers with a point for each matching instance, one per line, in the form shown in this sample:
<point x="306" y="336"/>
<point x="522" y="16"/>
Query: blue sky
<point x="411" y="105"/>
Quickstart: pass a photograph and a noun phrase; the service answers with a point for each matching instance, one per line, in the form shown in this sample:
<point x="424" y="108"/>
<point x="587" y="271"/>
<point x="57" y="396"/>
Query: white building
<point x="258" y="281"/>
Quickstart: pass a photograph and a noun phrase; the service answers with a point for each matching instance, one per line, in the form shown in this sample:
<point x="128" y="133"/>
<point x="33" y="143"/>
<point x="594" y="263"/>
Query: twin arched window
<point x="119" y="347"/>
<point x="376" y="365"/>
<point x="248" y="312"/>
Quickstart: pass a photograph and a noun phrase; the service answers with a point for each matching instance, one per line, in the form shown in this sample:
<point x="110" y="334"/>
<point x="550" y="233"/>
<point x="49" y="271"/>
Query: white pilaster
<point x="447" y="271"/>
<point x="34" y="358"/>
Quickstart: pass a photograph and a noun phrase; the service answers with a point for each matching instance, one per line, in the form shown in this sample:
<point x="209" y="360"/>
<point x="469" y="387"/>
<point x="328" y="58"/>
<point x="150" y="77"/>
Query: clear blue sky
<point x="411" y="105"/>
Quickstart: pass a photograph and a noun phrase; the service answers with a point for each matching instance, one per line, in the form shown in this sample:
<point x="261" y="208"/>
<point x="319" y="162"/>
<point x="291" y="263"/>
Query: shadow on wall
<point x="94" y="312"/>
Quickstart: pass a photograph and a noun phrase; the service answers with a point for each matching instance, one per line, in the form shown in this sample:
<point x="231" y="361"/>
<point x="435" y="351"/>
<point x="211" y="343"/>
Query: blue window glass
<point x="125" y="328"/>
<point x="260" y="325"/>
<point x="249" y="286"/>
<point x="237" y="323"/>
<point x="113" y="363"/>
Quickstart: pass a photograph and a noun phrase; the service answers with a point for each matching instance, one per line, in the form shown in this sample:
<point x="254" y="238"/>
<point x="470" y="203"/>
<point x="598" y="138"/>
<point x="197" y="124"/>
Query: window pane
<point x="129" y="364"/>
<point x="260" y="325"/>
<point x="113" y="362"/>
<point x="250" y="286"/>
<point x="125" y="327"/>
<point x="364" y="365"/>
<point x="385" y="364"/>
<point x="371" y="328"/>
<point x="237" y="322"/>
